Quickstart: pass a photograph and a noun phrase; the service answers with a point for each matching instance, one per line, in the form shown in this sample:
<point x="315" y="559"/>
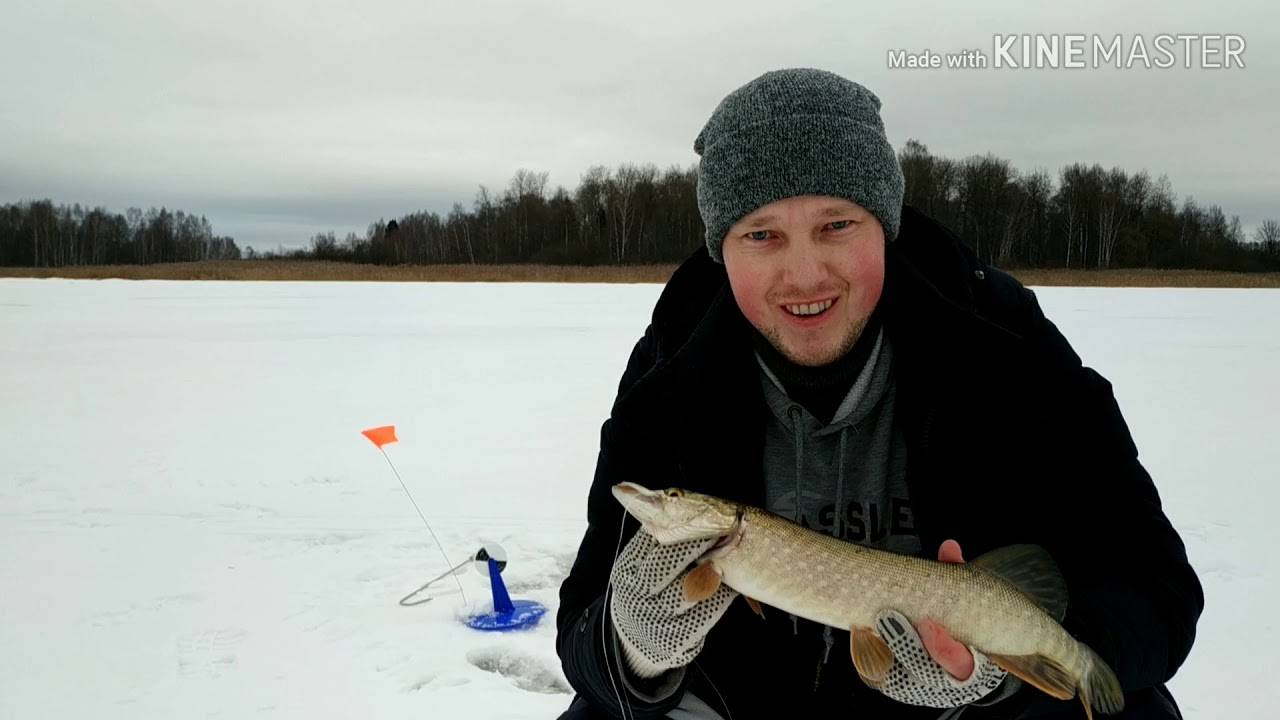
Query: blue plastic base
<point x="525" y="614"/>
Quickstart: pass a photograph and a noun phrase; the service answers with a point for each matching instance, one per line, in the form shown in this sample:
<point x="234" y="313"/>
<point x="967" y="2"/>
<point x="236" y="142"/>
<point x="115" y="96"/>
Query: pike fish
<point x="1006" y="603"/>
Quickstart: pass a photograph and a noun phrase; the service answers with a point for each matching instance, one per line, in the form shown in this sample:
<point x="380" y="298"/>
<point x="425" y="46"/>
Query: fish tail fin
<point x="1095" y="684"/>
<point x="1099" y="687"/>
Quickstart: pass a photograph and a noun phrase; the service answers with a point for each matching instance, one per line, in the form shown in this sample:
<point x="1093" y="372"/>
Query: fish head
<point x="674" y="515"/>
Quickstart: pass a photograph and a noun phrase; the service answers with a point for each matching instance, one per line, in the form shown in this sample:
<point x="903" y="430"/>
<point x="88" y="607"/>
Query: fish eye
<point x="673" y="492"/>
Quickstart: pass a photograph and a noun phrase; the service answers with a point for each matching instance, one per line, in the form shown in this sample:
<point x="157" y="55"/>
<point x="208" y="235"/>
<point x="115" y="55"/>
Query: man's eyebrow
<point x="826" y="212"/>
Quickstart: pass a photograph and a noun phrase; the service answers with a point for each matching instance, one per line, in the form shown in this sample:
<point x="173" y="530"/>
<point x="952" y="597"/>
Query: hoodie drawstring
<point x="828" y="638"/>
<point x="794" y="413"/>
<point x="840" y="512"/>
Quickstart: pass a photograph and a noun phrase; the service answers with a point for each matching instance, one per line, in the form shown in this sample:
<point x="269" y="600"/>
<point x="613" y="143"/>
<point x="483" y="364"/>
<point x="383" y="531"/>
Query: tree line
<point x="634" y="214"/>
<point x="1085" y="217"/>
<point x="41" y="234"/>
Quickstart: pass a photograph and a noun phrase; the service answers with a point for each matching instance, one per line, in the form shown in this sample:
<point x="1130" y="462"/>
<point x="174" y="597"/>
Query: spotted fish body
<point x="1003" y="603"/>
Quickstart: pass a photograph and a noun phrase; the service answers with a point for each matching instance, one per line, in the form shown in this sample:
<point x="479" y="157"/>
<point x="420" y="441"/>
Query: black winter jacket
<point x="1010" y="440"/>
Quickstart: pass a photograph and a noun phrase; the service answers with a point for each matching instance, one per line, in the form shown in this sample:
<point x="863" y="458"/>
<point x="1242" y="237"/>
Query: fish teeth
<point x="809" y="308"/>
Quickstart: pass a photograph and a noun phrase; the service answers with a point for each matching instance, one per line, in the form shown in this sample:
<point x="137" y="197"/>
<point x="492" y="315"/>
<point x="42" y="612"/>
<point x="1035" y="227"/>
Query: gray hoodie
<point x="849" y="475"/>
<point x="847" y="478"/>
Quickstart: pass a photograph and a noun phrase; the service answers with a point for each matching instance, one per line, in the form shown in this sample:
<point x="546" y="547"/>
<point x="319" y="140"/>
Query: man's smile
<point x="811" y="313"/>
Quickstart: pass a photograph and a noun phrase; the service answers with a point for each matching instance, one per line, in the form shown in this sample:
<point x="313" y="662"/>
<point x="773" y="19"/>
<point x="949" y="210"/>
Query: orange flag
<point x="381" y="435"/>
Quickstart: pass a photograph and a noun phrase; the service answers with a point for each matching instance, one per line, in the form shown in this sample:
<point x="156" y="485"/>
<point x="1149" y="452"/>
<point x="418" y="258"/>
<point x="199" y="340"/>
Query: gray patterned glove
<point x="917" y="679"/>
<point x="658" y="629"/>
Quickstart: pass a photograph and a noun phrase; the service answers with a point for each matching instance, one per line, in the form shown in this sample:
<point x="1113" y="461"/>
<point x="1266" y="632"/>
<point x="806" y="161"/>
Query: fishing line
<point x="608" y="588"/>
<point x="723" y="704"/>
<point x="447" y="563"/>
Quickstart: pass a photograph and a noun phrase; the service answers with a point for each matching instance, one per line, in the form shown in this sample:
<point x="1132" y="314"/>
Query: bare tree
<point x="627" y="184"/>
<point x="1268" y="236"/>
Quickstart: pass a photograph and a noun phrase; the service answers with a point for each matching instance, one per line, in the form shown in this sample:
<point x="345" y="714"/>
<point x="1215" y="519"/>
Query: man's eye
<point x="759" y="235"/>
<point x="841" y="224"/>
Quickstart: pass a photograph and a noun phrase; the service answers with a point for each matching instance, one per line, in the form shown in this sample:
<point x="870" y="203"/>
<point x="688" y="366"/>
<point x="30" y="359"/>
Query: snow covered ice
<point x="191" y="524"/>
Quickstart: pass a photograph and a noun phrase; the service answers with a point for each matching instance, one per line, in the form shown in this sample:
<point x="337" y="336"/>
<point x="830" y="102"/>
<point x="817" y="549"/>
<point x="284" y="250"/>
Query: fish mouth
<point x="633" y="495"/>
<point x="670" y="520"/>
<point x="627" y="489"/>
<point x="644" y="504"/>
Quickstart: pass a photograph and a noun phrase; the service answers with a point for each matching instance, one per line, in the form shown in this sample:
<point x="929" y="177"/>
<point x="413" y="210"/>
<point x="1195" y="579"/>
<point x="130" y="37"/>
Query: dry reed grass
<point x="296" y="270"/>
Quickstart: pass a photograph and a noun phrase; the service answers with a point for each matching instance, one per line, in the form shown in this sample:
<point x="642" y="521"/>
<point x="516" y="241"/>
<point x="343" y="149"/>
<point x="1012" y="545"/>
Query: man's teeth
<point x="809" y="309"/>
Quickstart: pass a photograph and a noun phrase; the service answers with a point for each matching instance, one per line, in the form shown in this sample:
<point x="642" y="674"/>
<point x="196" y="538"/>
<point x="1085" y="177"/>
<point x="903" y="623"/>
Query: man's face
<point x="792" y="254"/>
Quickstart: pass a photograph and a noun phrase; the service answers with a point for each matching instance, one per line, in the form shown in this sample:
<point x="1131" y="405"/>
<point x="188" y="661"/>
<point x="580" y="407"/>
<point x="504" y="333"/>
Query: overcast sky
<point x="280" y="119"/>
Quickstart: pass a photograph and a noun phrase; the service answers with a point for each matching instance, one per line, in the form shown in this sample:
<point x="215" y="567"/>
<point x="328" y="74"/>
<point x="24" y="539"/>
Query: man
<point x="845" y="362"/>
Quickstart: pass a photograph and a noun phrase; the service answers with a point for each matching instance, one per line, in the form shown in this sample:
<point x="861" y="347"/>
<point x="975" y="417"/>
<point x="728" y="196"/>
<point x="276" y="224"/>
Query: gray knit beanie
<point x="795" y="132"/>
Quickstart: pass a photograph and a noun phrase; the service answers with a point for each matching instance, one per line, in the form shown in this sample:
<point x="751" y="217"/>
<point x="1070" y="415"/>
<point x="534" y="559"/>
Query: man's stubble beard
<point x="846" y="344"/>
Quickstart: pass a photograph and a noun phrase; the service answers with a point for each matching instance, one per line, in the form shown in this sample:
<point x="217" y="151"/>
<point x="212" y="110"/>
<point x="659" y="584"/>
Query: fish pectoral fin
<point x="755" y="606"/>
<point x="871" y="655"/>
<point x="1032" y="570"/>
<point x="1042" y="672"/>
<point x="701" y="582"/>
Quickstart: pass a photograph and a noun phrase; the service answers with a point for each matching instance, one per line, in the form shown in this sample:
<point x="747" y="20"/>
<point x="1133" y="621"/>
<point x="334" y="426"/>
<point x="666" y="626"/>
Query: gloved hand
<point x="917" y="679"/>
<point x="657" y="627"/>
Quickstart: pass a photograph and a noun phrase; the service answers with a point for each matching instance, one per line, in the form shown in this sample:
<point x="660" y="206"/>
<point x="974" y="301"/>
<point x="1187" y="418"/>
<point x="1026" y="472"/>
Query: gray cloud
<point x="279" y="120"/>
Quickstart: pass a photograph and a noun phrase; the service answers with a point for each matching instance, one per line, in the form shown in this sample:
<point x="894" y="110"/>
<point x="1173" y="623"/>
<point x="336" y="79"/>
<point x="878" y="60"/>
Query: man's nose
<point x="806" y="265"/>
